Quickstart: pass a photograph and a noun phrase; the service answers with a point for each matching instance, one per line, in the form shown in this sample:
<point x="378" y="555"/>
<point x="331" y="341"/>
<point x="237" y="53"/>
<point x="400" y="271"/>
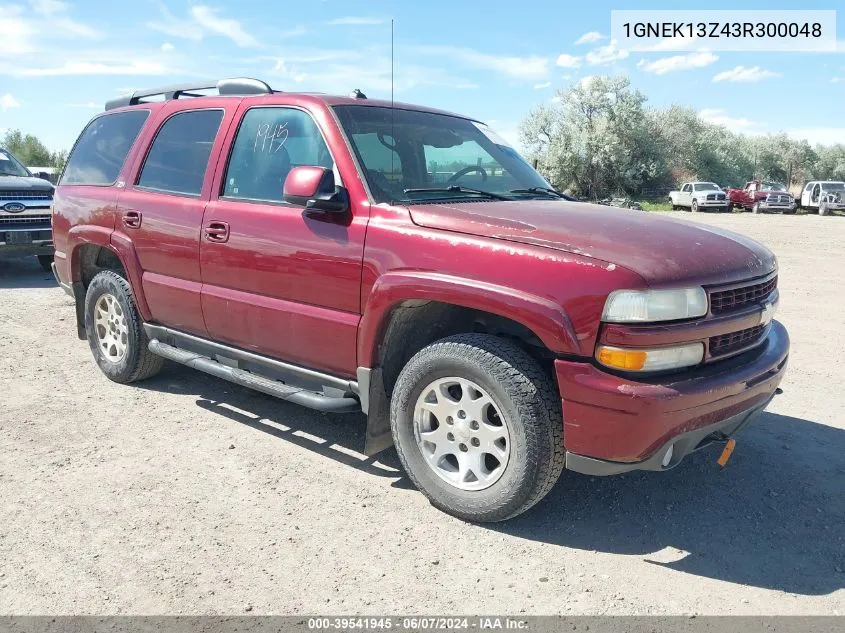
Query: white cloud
<point x="745" y="74"/>
<point x="678" y="62"/>
<point x="170" y="25"/>
<point x="718" y="116"/>
<point x="545" y="84"/>
<point x="531" y="67"/>
<point x="167" y="47"/>
<point x="605" y="54"/>
<point x="590" y="37"/>
<point x="7" y="102"/>
<point x="75" y="68"/>
<point x="352" y="20"/>
<point x="837" y="80"/>
<point x="820" y="135"/>
<point x="209" y="19"/>
<point x="568" y="61"/>
<point x="26" y="32"/>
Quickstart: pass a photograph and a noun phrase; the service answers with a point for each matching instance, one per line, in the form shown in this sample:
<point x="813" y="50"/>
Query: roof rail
<point x="234" y="86"/>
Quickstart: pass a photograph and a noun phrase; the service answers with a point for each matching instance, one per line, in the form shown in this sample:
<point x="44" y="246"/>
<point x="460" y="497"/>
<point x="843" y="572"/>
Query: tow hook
<point x="730" y="445"/>
<point x="778" y="391"/>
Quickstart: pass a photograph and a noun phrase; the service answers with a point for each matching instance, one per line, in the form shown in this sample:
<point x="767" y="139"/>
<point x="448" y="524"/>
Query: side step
<point x="244" y="378"/>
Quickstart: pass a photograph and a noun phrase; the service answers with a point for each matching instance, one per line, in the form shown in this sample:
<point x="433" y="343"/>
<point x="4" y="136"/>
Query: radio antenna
<point x="392" y="108"/>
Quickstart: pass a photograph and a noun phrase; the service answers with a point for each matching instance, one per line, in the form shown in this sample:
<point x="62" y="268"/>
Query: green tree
<point x="31" y="151"/>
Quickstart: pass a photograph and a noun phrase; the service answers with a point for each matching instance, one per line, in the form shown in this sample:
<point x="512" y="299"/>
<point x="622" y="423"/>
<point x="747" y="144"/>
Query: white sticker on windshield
<point x="490" y="134"/>
<point x="4" y="156"/>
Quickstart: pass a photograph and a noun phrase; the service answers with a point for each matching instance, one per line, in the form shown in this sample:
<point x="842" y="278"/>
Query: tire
<point x="675" y="207"/>
<point x="46" y="262"/>
<point x="530" y="414"/>
<point x="694" y="206"/>
<point x="823" y="210"/>
<point x="730" y="208"/>
<point x="755" y="208"/>
<point x="110" y="295"/>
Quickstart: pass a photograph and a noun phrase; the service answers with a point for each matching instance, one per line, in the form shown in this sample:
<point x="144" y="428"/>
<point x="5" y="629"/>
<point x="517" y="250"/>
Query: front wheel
<point x="478" y="428"/>
<point x="823" y="210"/>
<point x="694" y="207"/>
<point x="114" y="330"/>
<point x="755" y="208"/>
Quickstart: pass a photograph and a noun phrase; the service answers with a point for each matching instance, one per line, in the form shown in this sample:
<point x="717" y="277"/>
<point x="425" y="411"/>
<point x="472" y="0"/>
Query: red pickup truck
<point x="349" y="254"/>
<point x="758" y="196"/>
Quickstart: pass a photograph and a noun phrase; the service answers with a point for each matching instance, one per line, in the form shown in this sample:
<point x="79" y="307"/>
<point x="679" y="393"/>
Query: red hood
<point x="658" y="248"/>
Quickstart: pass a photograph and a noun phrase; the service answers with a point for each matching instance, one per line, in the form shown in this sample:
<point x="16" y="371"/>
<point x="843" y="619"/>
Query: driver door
<point x="278" y="279"/>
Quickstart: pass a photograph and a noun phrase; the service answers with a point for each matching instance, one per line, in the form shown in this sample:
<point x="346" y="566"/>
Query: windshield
<point x="772" y="186"/>
<point x="834" y="186"/>
<point x="412" y="156"/>
<point x="9" y="165"/>
<point x="706" y="186"/>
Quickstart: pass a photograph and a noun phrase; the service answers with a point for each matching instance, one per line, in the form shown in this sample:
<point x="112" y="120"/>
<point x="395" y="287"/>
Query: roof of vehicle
<point x="248" y="88"/>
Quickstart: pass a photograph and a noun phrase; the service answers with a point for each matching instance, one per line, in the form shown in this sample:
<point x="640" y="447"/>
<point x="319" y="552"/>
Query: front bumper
<point x="713" y="203"/>
<point x="32" y="240"/>
<point x="776" y="206"/>
<point x="614" y="424"/>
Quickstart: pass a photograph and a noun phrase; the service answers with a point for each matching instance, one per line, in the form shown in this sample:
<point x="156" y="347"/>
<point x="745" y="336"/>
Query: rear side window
<point x="101" y="150"/>
<point x="179" y="155"/>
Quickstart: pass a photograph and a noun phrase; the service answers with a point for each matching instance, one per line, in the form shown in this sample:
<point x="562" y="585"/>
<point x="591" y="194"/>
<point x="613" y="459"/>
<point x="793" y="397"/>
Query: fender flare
<point x="545" y="318"/>
<point x="118" y="244"/>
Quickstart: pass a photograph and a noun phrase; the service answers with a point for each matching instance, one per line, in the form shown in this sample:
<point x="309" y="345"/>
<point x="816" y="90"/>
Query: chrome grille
<point x="24" y="219"/>
<point x="26" y="195"/>
<point x="722" y="301"/>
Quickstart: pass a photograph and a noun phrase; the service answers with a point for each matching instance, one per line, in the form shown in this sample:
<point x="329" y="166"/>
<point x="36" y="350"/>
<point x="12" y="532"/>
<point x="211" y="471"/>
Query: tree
<point x="31" y="151"/>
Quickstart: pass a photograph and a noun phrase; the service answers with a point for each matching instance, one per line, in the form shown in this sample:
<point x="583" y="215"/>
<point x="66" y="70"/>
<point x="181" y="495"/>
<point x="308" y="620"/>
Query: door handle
<point x="217" y="231"/>
<point x="132" y="219"/>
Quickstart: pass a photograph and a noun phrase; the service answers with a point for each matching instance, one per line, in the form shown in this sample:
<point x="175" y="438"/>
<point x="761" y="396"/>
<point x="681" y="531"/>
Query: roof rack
<point x="234" y="86"/>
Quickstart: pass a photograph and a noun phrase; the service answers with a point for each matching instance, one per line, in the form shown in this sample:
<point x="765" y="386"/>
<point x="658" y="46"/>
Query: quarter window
<point x="270" y="142"/>
<point x="101" y="150"/>
<point x="178" y="158"/>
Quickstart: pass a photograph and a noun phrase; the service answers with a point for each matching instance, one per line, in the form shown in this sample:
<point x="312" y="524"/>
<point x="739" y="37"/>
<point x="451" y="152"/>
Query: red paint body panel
<point x="318" y="289"/>
<point x="621" y="419"/>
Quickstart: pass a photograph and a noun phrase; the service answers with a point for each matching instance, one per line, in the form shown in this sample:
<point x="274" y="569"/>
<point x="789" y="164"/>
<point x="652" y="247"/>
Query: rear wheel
<point x="477" y="425"/>
<point x="114" y="330"/>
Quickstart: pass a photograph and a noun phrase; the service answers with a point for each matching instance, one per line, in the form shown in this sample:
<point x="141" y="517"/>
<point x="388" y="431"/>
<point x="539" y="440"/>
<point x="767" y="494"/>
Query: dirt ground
<point x="186" y="495"/>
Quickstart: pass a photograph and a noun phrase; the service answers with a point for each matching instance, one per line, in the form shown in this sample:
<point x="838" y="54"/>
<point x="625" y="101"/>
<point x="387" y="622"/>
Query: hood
<point x="659" y="249"/>
<point x="24" y="183"/>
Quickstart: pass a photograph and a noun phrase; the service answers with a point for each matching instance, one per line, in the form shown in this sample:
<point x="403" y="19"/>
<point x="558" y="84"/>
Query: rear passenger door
<point x="284" y="281"/>
<point x="161" y="211"/>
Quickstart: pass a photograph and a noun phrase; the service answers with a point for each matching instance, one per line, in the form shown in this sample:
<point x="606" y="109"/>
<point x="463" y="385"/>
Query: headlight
<point x="645" y="306"/>
<point x="657" y="359"/>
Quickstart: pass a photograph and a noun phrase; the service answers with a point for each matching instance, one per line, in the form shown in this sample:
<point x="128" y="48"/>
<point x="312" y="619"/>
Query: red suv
<point x="349" y="254"/>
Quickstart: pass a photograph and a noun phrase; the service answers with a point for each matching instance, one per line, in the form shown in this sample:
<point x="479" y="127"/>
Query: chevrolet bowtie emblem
<point x="768" y="313"/>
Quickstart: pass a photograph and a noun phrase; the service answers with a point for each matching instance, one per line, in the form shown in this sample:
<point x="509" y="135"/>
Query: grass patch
<point x="655" y="204"/>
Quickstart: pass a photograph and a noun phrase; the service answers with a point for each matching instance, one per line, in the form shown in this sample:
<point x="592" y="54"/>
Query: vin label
<point x="746" y="30"/>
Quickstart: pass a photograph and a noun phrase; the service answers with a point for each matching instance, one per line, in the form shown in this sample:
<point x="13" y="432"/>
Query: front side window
<point x="101" y="150"/>
<point x="687" y="188"/>
<point x="270" y="142"/>
<point x="178" y="158"/>
<point x="413" y="156"/>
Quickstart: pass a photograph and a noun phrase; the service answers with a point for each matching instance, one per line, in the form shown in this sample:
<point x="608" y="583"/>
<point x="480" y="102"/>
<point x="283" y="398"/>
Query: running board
<point x="298" y="395"/>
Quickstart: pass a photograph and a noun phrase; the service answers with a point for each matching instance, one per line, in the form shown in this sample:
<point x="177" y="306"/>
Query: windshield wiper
<point x="546" y="190"/>
<point x="458" y="189"/>
<point x="8" y="173"/>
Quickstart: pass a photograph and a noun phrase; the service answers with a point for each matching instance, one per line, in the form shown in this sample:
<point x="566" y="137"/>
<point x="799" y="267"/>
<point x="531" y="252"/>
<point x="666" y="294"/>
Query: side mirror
<point x="314" y="188"/>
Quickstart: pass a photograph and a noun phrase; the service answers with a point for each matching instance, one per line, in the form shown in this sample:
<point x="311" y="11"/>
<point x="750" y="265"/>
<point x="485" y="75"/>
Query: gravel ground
<point x="187" y="495"/>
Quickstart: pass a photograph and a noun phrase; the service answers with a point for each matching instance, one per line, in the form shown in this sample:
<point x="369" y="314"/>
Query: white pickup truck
<point x="824" y="195"/>
<point x="699" y="195"/>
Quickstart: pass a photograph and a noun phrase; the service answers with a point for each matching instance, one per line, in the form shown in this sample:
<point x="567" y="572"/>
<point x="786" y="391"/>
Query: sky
<point x="494" y="60"/>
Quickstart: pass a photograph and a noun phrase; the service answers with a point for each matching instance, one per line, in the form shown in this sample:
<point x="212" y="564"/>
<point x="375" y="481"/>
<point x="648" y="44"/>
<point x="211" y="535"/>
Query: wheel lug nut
<point x="473" y="425"/>
<point x="462" y="414"/>
<point x="449" y="420"/>
<point x="475" y="442"/>
<point x="463" y="447"/>
<point x="450" y="437"/>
